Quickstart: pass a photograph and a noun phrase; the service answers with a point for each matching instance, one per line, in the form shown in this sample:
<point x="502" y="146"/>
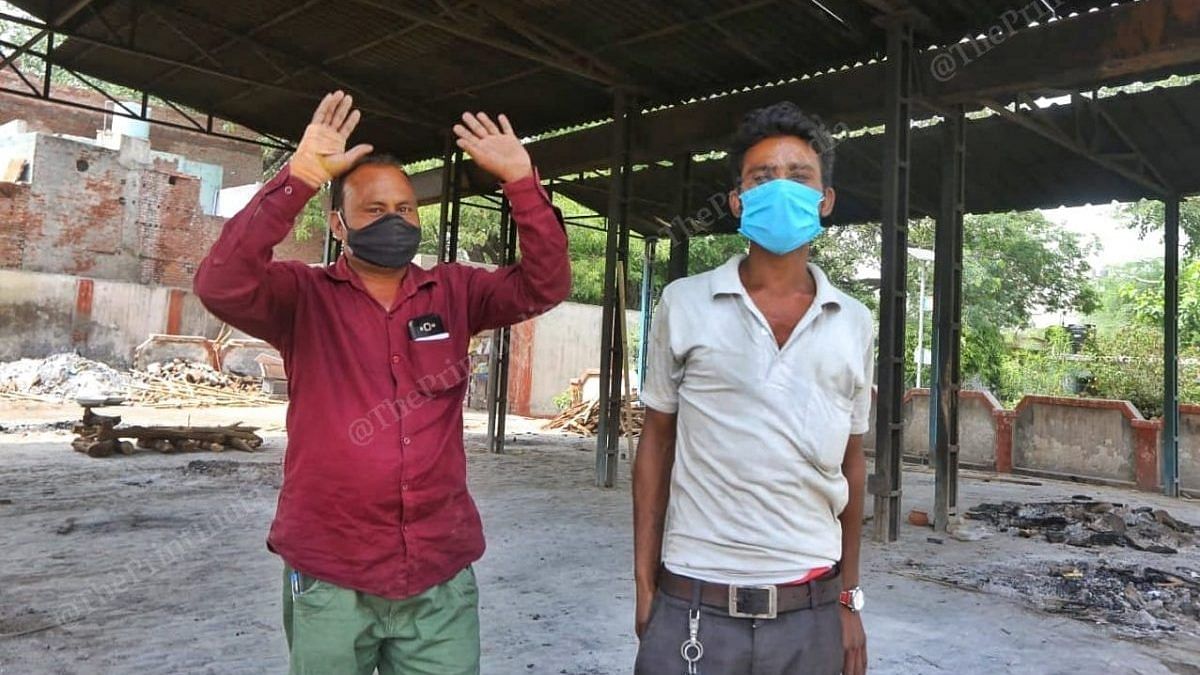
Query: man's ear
<point x="735" y="203"/>
<point x="827" y="203"/>
<point x="337" y="227"/>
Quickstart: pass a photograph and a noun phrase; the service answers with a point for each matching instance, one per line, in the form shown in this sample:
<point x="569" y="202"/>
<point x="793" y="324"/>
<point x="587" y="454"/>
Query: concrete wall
<point x="44" y="314"/>
<point x="976" y="427"/>
<point x="1077" y="437"/>
<point x="1189" y="447"/>
<point x="566" y="342"/>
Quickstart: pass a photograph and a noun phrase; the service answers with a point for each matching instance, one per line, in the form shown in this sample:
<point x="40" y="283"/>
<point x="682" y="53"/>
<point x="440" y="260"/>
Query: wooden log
<point x="102" y="448"/>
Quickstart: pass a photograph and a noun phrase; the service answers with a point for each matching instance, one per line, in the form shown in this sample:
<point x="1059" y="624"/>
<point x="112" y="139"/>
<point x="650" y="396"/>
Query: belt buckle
<point x="745" y="600"/>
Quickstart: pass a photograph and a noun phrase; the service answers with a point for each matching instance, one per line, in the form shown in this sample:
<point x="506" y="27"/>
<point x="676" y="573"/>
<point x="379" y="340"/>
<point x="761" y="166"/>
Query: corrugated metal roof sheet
<point x="482" y="55"/>
<point x="1009" y="168"/>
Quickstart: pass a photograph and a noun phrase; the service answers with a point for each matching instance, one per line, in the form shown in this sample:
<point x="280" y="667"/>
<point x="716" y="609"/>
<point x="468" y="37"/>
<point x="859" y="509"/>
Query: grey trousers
<point x="803" y="642"/>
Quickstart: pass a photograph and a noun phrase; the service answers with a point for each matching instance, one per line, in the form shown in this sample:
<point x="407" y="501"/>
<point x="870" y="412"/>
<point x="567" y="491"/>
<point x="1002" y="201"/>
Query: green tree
<point x="1133" y="293"/>
<point x="1149" y="216"/>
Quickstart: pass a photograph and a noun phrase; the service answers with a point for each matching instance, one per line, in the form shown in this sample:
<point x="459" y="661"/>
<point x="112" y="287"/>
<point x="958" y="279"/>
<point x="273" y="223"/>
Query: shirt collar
<point x="416" y="277"/>
<point x="726" y="281"/>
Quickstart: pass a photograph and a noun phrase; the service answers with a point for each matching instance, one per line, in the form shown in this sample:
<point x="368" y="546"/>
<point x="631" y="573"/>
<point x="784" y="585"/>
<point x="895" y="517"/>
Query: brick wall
<point x="115" y="215"/>
<point x="242" y="161"/>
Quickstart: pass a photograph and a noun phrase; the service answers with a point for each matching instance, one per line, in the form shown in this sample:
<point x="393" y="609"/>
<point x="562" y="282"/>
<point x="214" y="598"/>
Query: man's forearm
<point x="855" y="469"/>
<point x="237" y="280"/>
<point x="651" y="492"/>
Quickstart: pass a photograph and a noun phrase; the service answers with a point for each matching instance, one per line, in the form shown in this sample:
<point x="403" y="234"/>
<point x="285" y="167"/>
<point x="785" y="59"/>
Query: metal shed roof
<point x="1009" y="167"/>
<point x="414" y="66"/>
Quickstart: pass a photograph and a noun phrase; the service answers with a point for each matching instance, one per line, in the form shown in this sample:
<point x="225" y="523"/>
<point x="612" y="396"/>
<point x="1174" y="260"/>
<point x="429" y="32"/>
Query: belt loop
<point x="697" y="593"/>
<point x="813" y="588"/>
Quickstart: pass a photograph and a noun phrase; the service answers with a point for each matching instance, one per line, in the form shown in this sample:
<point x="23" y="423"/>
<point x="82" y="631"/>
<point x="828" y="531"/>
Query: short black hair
<point x="337" y="187"/>
<point x="781" y="119"/>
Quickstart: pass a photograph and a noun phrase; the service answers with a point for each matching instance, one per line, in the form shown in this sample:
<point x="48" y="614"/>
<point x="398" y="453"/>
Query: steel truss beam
<point x="169" y="61"/>
<point x="1087" y="125"/>
<point x="46" y="93"/>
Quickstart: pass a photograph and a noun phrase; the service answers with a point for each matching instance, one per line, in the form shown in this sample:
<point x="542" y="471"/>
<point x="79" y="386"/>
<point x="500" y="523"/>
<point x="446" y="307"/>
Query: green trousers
<point x="337" y="631"/>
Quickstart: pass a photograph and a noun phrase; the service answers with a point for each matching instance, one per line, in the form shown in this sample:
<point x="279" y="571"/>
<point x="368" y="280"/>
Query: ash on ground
<point x="270" y="473"/>
<point x="1085" y="522"/>
<point x="1140" y="601"/>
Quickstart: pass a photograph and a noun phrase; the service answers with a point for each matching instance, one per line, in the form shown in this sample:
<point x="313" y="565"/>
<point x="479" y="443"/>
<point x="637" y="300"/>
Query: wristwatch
<point x="852" y="599"/>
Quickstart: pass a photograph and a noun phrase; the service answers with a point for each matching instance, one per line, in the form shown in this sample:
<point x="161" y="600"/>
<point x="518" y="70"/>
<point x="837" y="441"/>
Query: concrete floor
<point x="556" y="583"/>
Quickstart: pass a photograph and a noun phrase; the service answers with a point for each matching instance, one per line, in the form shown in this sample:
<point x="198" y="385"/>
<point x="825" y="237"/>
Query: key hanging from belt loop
<point x="692" y="650"/>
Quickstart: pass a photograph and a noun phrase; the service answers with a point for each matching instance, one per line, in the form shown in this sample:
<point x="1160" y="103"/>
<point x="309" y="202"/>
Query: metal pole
<point x="609" y="429"/>
<point x="451" y="252"/>
<point x="677" y="261"/>
<point x="447" y="181"/>
<point x="646" y="304"/>
<point x="920" y="355"/>
<point x="947" y="302"/>
<point x="501" y="342"/>
<point x="889" y="428"/>
<point x="1170" y="432"/>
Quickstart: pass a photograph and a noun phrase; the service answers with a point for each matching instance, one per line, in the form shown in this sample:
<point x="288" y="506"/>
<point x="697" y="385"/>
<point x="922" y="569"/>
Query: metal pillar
<point x="612" y="352"/>
<point x="448" y="239"/>
<point x="450" y="162"/>
<point x="1170" y="430"/>
<point x="498" y="360"/>
<point x="646" y="303"/>
<point x="947" y="301"/>
<point x="677" y="263"/>
<point x="885" y="483"/>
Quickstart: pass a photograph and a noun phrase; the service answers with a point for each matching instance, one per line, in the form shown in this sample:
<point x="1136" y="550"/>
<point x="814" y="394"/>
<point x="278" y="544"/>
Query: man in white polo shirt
<point x="749" y="481"/>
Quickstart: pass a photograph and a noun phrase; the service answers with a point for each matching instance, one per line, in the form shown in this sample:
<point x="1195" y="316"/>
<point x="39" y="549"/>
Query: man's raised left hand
<point x="496" y="149"/>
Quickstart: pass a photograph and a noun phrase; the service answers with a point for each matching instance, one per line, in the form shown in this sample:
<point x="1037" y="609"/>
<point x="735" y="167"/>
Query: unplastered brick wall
<point x="107" y="214"/>
<point x="14" y="204"/>
<point x="242" y="162"/>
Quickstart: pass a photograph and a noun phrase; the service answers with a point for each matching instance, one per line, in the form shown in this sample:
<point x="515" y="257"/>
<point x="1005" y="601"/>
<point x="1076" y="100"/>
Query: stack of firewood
<point x="584" y="418"/>
<point x="99" y="436"/>
<point x="179" y="383"/>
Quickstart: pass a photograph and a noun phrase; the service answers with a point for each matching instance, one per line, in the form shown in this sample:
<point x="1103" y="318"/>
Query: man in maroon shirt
<point x="374" y="523"/>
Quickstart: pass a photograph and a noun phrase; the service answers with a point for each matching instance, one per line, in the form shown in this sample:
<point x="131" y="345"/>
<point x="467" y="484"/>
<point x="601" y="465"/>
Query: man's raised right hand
<point x="322" y="155"/>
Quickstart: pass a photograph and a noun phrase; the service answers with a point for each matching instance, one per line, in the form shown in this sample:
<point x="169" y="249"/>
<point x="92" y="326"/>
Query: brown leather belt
<point x="755" y="602"/>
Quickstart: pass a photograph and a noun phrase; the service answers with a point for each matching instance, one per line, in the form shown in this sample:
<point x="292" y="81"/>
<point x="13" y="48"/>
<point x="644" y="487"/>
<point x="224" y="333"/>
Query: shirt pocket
<point x="825" y="424"/>
<point x="438" y="366"/>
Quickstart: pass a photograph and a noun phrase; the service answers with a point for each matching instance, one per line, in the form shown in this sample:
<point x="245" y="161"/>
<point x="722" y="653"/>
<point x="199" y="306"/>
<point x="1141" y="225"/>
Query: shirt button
<point x="287" y="190"/>
<point x="407" y="440"/>
<point x="404" y="486"/>
<point x="395" y="358"/>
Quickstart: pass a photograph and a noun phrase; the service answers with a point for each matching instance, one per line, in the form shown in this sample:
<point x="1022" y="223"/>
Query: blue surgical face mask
<point x="781" y="215"/>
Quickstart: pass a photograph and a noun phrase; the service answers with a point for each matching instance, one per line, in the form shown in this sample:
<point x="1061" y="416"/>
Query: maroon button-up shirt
<point x="374" y="494"/>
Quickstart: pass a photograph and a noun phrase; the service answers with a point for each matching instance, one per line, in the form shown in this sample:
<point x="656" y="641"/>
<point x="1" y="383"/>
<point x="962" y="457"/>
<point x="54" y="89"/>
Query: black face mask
<point x="388" y="241"/>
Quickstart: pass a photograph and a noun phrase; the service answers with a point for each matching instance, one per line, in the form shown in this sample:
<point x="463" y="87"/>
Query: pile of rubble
<point x="175" y="383"/>
<point x="61" y="376"/>
<point x="1086" y="522"/>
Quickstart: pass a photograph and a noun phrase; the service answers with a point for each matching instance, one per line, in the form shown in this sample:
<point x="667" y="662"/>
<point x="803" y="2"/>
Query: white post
<point x="921" y="326"/>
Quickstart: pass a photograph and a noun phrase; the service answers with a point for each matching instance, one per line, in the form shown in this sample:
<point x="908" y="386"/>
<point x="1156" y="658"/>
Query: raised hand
<point x="322" y="155"/>
<point x="496" y="150"/>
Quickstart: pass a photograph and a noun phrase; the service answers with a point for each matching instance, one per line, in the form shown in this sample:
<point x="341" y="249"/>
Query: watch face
<point x="856" y="600"/>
